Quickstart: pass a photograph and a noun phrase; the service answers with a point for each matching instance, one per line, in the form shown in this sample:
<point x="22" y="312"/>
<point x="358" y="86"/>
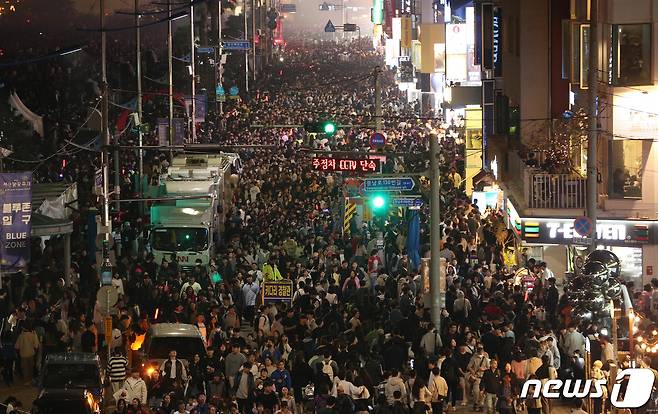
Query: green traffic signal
<point x="379" y="203"/>
<point x="329" y="128"/>
<point x="326" y="127"/>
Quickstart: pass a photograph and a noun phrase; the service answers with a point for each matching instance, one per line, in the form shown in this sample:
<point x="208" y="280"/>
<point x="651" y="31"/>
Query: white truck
<point x="191" y="226"/>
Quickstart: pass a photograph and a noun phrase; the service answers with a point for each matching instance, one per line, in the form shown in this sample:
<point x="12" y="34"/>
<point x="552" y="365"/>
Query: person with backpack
<point x="329" y="366"/>
<point x="431" y="342"/>
<point x="394" y="383"/>
<point x="450" y="372"/>
<point x="438" y="390"/>
<point x="398" y="406"/>
<point x="461" y="308"/>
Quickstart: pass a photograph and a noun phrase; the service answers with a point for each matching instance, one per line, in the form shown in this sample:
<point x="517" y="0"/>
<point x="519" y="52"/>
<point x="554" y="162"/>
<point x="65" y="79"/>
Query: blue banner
<point x="199" y="109"/>
<point x="413" y="240"/>
<point x="16" y="201"/>
<point x="179" y="131"/>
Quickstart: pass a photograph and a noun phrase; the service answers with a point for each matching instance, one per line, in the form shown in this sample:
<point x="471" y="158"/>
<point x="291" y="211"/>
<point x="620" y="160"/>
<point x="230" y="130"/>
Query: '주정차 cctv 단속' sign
<point x="345" y="164"/>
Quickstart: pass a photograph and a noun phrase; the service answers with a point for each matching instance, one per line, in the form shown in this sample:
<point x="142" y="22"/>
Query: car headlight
<point x="150" y="371"/>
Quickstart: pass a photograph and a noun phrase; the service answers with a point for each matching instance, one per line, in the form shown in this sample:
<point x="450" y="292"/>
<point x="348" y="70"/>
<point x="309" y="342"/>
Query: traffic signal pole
<point x="435" y="232"/>
<point x="219" y="54"/>
<point x="193" y="74"/>
<point x="170" y="75"/>
<point x="378" y="99"/>
<point x="592" y="127"/>
<point x="138" y="56"/>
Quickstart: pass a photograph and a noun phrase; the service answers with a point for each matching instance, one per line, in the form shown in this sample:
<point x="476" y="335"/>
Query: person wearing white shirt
<point x="133" y="387"/>
<point x="181" y="408"/>
<point x="191" y="282"/>
<point x="117" y="282"/>
<point x="348" y="388"/>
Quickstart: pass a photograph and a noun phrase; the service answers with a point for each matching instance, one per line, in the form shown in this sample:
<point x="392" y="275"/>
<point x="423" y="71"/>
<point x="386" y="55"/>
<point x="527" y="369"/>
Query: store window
<point x="631" y="54"/>
<point x="625" y="161"/>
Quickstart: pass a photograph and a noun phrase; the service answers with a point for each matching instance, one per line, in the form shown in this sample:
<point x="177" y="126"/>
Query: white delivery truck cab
<point x="190" y="227"/>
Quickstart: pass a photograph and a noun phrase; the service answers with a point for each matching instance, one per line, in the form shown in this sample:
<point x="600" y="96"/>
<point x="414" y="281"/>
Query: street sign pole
<point x="218" y="62"/>
<point x="435" y="233"/>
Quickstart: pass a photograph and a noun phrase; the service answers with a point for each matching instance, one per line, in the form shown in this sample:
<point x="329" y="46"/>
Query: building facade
<point x="539" y="138"/>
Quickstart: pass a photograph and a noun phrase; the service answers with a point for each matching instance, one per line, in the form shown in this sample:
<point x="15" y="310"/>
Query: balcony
<point x="561" y="191"/>
<point x="537" y="189"/>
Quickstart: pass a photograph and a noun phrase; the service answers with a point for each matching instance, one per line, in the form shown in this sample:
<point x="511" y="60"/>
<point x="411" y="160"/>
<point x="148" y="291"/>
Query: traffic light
<point x="379" y="203"/>
<point x="326" y="127"/>
<point x="272" y="17"/>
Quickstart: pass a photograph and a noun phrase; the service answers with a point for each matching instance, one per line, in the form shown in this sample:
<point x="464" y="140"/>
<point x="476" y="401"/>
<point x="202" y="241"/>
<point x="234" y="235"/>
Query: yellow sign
<point x="108" y="329"/>
<point x="405" y="35"/>
<point x="277" y="291"/>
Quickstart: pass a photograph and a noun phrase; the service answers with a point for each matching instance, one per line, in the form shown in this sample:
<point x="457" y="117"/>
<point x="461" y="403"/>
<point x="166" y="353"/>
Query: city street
<point x="365" y="207"/>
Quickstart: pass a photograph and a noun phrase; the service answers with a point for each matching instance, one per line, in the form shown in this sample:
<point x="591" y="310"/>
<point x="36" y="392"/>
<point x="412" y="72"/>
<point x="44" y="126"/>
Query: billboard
<point x="16" y="201"/>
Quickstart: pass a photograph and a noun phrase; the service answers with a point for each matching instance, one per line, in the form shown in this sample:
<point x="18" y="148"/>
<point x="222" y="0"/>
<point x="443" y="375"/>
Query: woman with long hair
<point x="421" y="396"/>
<point x="136" y="407"/>
<point x="506" y="396"/>
<point x="121" y="407"/>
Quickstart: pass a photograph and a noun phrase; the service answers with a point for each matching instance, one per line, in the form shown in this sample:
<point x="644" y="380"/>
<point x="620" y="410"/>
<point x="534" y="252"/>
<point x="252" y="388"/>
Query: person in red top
<point x="373" y="270"/>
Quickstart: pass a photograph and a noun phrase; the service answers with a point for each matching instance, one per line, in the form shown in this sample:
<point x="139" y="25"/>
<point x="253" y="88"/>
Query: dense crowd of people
<point x="357" y="335"/>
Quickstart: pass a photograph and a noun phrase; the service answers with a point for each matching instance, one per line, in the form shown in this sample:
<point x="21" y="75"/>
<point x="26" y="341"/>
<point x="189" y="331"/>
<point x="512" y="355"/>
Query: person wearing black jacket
<point x="302" y="375"/>
<point x="491" y="382"/>
<point x="450" y="372"/>
<point x="322" y="386"/>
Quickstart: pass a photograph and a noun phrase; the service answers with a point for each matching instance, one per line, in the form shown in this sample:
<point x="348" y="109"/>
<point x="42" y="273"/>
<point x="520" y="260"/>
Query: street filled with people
<point x="357" y="335"/>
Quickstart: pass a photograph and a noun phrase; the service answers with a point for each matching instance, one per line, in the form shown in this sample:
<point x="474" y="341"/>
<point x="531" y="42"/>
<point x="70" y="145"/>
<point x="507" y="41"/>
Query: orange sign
<point x="108" y="329"/>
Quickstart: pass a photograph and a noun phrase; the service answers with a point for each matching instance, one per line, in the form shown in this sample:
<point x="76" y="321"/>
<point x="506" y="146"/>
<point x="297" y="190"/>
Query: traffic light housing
<point x="379" y="203"/>
<point x="326" y="127"/>
<point x="272" y="16"/>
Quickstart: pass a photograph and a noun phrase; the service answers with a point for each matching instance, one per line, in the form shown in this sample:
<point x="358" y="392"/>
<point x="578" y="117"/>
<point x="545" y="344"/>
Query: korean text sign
<point x="16" y="202"/>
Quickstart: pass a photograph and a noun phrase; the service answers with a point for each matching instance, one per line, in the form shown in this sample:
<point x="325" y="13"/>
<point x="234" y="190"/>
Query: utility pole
<point x="592" y="133"/>
<point x="193" y="74"/>
<point x="220" y="53"/>
<point x="253" y="37"/>
<point x="138" y="56"/>
<point x="343" y="16"/>
<point x="170" y="53"/>
<point x="435" y="232"/>
<point x="246" y="52"/>
<point x="378" y="99"/>
<point x="105" y="154"/>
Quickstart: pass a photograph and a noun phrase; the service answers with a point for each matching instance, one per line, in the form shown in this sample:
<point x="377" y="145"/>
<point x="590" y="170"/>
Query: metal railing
<point x="545" y="190"/>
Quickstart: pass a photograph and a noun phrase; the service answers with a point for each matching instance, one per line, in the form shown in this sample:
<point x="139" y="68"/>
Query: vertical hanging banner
<point x="497" y="39"/>
<point x="405" y="35"/>
<point x="179" y="131"/>
<point x="389" y="12"/>
<point x="16" y="201"/>
<point x="200" y="108"/>
<point x="487" y="37"/>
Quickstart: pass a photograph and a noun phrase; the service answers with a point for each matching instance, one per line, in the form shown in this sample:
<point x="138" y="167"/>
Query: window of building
<point x="626" y="161"/>
<point x="631" y="54"/>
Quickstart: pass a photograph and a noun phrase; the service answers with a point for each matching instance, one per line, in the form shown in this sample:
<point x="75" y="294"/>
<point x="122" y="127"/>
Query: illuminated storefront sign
<point x="561" y="231"/>
<point x="497" y="43"/>
<point x="513" y="218"/>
